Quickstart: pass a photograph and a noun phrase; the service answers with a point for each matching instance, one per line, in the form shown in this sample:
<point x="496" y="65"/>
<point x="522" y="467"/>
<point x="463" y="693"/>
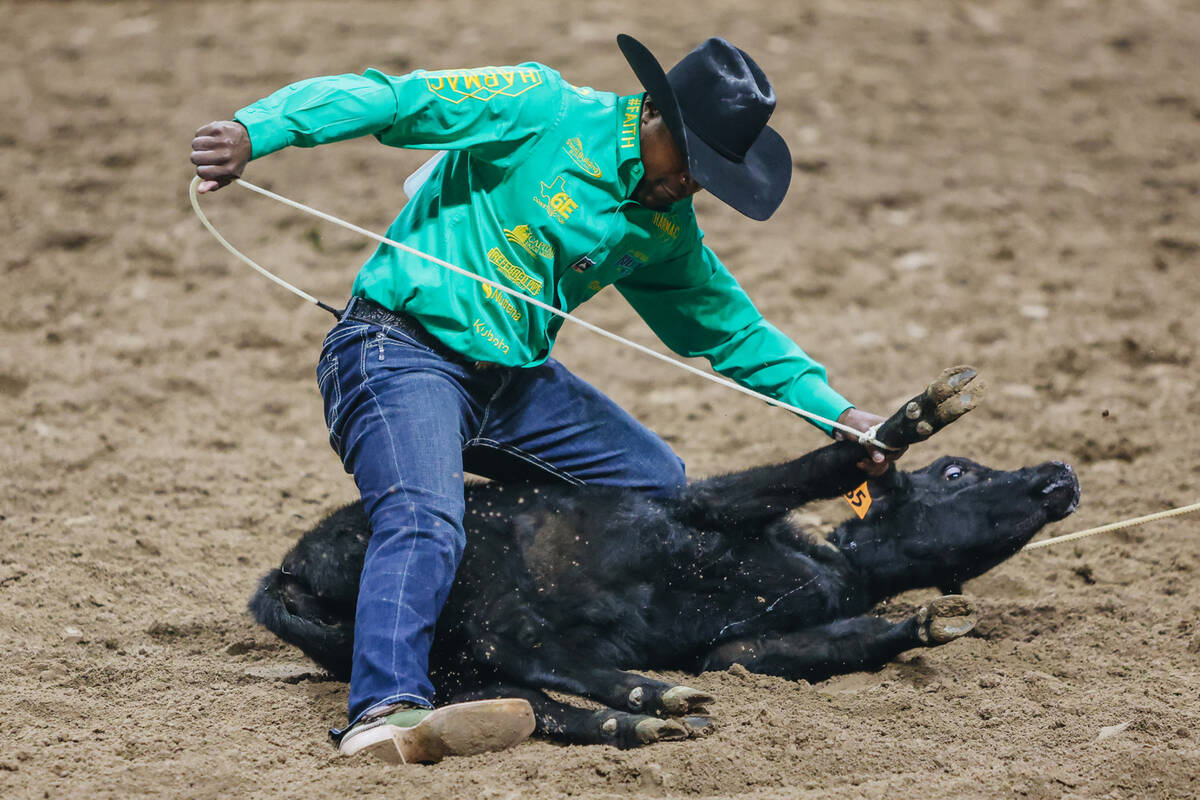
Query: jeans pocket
<point x="331" y="391"/>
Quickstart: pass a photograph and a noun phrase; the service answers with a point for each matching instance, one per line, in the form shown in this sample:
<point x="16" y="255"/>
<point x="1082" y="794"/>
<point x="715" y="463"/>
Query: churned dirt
<point x="1010" y="184"/>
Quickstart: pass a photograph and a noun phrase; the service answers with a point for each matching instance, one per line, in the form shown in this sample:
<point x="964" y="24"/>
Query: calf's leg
<point x="849" y="645"/>
<point x="567" y="723"/>
<point x="615" y="688"/>
<point x="562" y="667"/>
<point x="751" y="498"/>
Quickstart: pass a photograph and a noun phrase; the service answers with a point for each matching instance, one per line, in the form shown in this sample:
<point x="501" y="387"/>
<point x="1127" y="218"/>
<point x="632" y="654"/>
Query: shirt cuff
<point x="818" y="397"/>
<point x="266" y="134"/>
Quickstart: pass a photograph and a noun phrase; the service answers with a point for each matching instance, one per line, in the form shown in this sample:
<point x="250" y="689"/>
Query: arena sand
<point x="1012" y="184"/>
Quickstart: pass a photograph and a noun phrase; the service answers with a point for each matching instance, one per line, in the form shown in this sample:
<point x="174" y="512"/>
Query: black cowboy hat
<point x="716" y="103"/>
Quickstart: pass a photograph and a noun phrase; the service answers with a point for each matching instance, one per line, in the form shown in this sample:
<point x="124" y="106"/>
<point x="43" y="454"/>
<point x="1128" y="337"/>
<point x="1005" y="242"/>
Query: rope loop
<point x="868" y="436"/>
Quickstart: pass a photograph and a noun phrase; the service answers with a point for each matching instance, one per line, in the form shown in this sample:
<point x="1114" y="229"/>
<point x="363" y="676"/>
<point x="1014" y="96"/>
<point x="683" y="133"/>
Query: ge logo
<point x="562" y="204"/>
<point x="556" y="201"/>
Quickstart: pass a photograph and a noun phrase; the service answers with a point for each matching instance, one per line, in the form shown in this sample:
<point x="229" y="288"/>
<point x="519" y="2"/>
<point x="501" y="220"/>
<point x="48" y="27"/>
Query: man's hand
<point x="220" y="151"/>
<point x="877" y="461"/>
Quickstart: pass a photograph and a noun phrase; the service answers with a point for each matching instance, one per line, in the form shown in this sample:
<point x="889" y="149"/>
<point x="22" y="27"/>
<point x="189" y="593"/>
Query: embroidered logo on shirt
<point x="631" y="261"/>
<point x="522" y="236"/>
<point x="630" y="121"/>
<point x="583" y="264"/>
<point x="457" y="85"/>
<point x="496" y="341"/>
<point x="555" y="200"/>
<point x="574" y="149"/>
<point x="500" y="299"/>
<point x="668" y="226"/>
<point x="520" y="277"/>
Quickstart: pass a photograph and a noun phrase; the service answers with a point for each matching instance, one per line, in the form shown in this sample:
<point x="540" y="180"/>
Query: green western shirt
<point x="535" y="193"/>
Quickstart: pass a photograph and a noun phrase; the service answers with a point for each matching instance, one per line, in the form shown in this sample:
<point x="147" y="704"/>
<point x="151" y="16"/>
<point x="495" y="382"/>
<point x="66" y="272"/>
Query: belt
<point x="360" y="309"/>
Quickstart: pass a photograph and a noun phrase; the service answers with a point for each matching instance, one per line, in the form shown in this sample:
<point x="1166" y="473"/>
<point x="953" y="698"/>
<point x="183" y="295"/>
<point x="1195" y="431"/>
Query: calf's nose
<point x="1060" y="488"/>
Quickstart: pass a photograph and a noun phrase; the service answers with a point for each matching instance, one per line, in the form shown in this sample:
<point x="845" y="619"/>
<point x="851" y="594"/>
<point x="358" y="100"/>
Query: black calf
<point x="563" y="587"/>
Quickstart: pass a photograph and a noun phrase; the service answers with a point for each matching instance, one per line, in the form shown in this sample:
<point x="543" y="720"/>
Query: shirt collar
<point x="629" y="143"/>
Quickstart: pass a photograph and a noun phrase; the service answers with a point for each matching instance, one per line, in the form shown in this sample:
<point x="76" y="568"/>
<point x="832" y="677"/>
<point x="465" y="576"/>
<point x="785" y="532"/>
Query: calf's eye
<point x="953" y="472"/>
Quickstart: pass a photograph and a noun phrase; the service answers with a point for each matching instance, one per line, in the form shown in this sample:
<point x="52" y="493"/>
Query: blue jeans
<point x="407" y="421"/>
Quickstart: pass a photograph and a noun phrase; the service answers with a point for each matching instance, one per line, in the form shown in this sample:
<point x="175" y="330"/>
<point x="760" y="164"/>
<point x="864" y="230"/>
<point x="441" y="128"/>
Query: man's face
<point x="666" y="180"/>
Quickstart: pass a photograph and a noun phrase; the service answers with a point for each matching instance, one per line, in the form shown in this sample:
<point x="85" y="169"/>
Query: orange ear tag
<point x="859" y="500"/>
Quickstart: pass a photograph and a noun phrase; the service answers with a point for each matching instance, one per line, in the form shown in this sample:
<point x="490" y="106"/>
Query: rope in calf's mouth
<point x="862" y="437"/>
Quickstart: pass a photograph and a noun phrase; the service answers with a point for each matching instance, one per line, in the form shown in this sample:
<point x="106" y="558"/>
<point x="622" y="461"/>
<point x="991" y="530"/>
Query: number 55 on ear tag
<point x="859" y="500"/>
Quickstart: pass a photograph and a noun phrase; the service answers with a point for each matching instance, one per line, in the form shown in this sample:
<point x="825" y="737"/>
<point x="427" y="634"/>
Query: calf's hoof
<point x="624" y="730"/>
<point x="945" y="619"/>
<point x="949" y="397"/>
<point x="653" y="729"/>
<point x="680" y="700"/>
<point x="956" y="391"/>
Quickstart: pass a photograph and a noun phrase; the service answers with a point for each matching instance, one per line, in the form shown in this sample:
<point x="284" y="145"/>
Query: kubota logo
<point x="485" y="331"/>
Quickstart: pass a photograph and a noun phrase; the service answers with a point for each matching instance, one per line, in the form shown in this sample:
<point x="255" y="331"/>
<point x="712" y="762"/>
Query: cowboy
<point x="556" y="191"/>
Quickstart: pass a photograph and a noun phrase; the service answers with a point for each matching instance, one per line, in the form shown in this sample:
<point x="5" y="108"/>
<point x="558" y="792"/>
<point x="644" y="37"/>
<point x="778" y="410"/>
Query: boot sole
<point x="461" y="729"/>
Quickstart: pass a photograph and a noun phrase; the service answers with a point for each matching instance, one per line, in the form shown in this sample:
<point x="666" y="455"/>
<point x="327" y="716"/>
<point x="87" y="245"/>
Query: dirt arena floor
<point x="1011" y="184"/>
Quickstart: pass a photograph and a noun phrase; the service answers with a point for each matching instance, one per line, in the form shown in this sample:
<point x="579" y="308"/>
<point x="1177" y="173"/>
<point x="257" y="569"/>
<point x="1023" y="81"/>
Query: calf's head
<point x="952" y="521"/>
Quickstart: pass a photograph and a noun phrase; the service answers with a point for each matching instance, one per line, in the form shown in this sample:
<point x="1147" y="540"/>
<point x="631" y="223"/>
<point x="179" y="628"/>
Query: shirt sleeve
<point x="696" y="307"/>
<point x="496" y="112"/>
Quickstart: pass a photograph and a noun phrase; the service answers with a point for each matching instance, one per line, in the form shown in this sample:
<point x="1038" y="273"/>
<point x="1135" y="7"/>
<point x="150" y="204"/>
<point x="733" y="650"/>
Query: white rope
<point x="1115" y="526"/>
<point x="238" y="253"/>
<point x="863" y="437"/>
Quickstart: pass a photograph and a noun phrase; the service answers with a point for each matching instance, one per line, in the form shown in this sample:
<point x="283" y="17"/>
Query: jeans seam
<point x="396" y="467"/>
<point x="335" y="401"/>
<point x="341" y="331"/>
<point x="528" y="458"/>
<point x="487" y="407"/>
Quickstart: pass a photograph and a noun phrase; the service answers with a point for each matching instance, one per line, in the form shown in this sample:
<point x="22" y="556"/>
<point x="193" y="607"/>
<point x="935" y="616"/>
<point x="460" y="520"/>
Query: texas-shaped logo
<point x="555" y="200"/>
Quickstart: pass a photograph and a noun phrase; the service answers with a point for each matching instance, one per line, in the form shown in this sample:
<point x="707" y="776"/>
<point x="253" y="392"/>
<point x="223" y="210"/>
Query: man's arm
<point x="698" y="309"/>
<point x="496" y="112"/>
<point x="307" y="113"/>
